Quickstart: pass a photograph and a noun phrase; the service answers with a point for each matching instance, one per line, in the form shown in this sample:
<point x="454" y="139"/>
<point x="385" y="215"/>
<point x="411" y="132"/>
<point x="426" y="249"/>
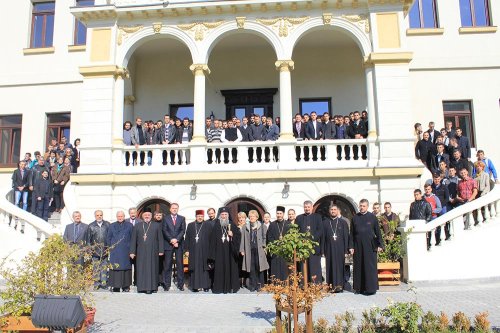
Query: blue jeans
<point x="17" y="196"/>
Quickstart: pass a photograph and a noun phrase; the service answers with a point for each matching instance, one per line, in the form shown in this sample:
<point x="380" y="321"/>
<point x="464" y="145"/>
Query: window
<point x="475" y="13"/>
<point x="42" y="24"/>
<point x="80" y="37"/>
<point x="10" y="140"/>
<point x="460" y="114"/>
<point x="423" y="14"/>
<point x="58" y="125"/>
<point x="181" y="111"/>
<point x="318" y="105"/>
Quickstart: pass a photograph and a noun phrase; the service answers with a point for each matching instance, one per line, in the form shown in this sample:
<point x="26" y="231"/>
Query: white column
<point x="199" y="71"/>
<point x="118" y="105"/>
<point x="372" y="130"/>
<point x="286" y="114"/>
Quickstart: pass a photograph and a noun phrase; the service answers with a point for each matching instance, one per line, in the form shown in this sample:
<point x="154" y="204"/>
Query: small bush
<point x="430" y="323"/>
<point x="461" y="323"/>
<point x="481" y="323"/>
<point x="402" y="317"/>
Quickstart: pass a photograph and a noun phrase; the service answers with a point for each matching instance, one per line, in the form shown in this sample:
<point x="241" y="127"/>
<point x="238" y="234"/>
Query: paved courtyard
<point x="250" y="312"/>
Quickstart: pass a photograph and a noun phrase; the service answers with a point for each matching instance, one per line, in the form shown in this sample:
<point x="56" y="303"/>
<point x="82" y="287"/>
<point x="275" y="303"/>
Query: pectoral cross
<point x="223" y="238"/>
<point x="196" y="238"/>
<point x="145" y="237"/>
<point x="334" y="237"/>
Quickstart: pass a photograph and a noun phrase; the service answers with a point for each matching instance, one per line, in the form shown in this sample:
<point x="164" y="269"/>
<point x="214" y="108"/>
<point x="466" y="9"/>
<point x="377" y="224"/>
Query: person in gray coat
<point x="138" y="138"/>
<point x="75" y="232"/>
<point x="253" y="242"/>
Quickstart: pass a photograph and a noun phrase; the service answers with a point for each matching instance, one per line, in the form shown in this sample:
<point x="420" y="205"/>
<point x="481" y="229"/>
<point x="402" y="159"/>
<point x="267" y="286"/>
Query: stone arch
<point x="346" y="204"/>
<point x="244" y="203"/>
<point x="231" y="27"/>
<point x="358" y="35"/>
<point x="147" y="34"/>
<point x="155" y="203"/>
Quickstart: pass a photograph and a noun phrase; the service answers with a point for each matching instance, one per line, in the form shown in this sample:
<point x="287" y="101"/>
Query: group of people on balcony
<point x="172" y="130"/>
<point x="39" y="183"/>
<point x="456" y="179"/>
<point x="226" y="254"/>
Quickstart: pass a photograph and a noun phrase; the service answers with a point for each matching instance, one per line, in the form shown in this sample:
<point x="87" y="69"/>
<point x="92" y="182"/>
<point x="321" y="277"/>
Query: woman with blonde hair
<point x="483" y="187"/>
<point x="253" y="242"/>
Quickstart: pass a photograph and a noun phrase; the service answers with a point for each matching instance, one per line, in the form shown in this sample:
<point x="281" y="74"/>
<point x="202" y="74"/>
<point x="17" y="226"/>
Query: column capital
<point x="121" y="73"/>
<point x="284" y="65"/>
<point x="199" y="69"/>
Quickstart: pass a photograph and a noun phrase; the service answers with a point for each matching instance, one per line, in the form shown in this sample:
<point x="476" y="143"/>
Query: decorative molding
<point x="157" y="27"/>
<point x="477" y="30"/>
<point x="199" y="28"/>
<point x="199" y="69"/>
<point x="107" y="71"/>
<point x="125" y="31"/>
<point x="424" y="31"/>
<point x="283" y="24"/>
<point x="39" y="50"/>
<point x="129" y="99"/>
<point x="327" y="18"/>
<point x="240" y="22"/>
<point x="361" y="20"/>
<point x="77" y="48"/>
<point x="284" y="65"/>
<point x="389" y="58"/>
<point x="122" y="73"/>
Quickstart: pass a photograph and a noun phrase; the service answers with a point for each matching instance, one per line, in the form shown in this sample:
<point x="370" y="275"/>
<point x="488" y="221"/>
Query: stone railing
<point x="467" y="247"/>
<point x="261" y="155"/>
<point x="20" y="219"/>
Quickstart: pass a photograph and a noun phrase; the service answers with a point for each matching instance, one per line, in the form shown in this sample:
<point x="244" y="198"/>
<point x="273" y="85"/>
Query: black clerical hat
<point x="224" y="210"/>
<point x="280" y="209"/>
<point x="147" y="210"/>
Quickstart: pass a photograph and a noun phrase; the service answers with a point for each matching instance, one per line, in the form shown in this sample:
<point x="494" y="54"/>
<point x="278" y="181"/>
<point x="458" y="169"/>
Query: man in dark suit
<point x="134" y="219"/>
<point x="245" y="130"/>
<point x="358" y="130"/>
<point x="299" y="133"/>
<point x="438" y="157"/>
<point x="463" y="143"/>
<point x="314" y="131"/>
<point x="433" y="133"/>
<point x="342" y="132"/>
<point x="75" y="232"/>
<point x="174" y="228"/>
<point x="329" y="128"/>
<point x="20" y="184"/>
<point x="167" y="137"/>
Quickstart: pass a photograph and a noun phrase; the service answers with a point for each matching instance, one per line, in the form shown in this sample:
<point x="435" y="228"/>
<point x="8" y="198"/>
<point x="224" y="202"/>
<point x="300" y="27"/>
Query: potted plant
<point x="54" y="270"/>
<point x="389" y="260"/>
<point x="295" y="295"/>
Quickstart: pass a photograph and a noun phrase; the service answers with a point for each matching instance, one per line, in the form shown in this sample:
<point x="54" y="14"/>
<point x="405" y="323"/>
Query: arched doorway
<point x="155" y="205"/>
<point x="244" y="204"/>
<point x="322" y="206"/>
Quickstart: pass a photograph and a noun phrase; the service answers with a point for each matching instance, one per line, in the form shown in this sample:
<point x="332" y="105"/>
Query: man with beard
<point x="158" y="218"/>
<point x="118" y="239"/>
<point x="147" y="244"/>
<point x="312" y="222"/>
<point x="212" y="217"/>
<point x="366" y="241"/>
<point x="224" y="252"/>
<point x="278" y="229"/>
<point x="335" y="248"/>
<point x="197" y="247"/>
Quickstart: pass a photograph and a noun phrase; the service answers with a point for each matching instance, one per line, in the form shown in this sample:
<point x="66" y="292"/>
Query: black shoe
<point x="149" y="292"/>
<point x="438" y="243"/>
<point x="447" y="238"/>
<point x="166" y="288"/>
<point x="115" y="290"/>
<point x="126" y="290"/>
<point x="181" y="288"/>
<point x="206" y="289"/>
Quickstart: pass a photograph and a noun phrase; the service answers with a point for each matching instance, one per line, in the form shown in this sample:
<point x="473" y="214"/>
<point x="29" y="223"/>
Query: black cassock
<point x="147" y="251"/>
<point x="365" y="238"/>
<point x="314" y="224"/>
<point x="224" y="255"/>
<point x="197" y="243"/>
<point x="335" y="247"/>
<point x="278" y="266"/>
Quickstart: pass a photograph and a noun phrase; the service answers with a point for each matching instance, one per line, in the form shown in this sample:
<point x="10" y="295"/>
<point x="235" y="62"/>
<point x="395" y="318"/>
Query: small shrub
<point x="461" y="323"/>
<point x="430" y="323"/>
<point x="444" y="323"/>
<point x="481" y="323"/>
<point x="370" y="320"/>
<point x="321" y="326"/>
<point x="402" y="317"/>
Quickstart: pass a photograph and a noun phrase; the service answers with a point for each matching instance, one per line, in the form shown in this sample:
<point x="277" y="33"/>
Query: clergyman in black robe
<point x="277" y="229"/>
<point x="366" y="241"/>
<point x="118" y="240"/>
<point x="147" y="244"/>
<point x="197" y="245"/>
<point x="224" y="252"/>
<point x="335" y="248"/>
<point x="313" y="223"/>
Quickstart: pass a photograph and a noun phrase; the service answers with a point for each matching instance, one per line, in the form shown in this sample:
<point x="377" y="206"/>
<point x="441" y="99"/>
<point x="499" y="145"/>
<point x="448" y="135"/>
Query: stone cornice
<point x="105" y="71"/>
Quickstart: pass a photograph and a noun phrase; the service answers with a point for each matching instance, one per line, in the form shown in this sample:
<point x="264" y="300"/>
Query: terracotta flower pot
<point x="20" y="324"/>
<point x="90" y="316"/>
